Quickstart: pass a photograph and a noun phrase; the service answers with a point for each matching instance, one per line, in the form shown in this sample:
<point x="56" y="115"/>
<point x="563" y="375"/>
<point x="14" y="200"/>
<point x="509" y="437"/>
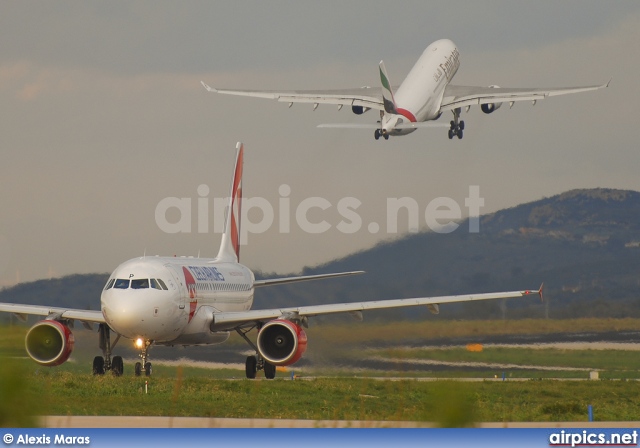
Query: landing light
<point x="139" y="343"/>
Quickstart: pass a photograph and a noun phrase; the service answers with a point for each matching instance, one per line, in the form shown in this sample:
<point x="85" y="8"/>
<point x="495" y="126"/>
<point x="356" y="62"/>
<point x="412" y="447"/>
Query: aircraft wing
<point x="58" y="313"/>
<point x="231" y="320"/>
<point x="370" y="97"/>
<point x="463" y="96"/>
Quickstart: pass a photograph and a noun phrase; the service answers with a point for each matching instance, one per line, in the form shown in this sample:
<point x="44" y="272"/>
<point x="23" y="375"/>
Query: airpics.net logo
<point x="440" y="215"/>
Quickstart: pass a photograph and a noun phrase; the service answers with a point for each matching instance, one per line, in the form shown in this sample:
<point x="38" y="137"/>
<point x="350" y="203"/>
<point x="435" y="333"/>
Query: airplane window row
<point x="223" y="286"/>
<point x="138" y="283"/>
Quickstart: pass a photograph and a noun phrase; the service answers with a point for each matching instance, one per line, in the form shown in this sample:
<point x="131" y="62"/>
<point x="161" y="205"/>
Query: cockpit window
<point x="154" y="284"/>
<point x="162" y="284"/>
<point x="109" y="284"/>
<point x="140" y="283"/>
<point x="121" y="283"/>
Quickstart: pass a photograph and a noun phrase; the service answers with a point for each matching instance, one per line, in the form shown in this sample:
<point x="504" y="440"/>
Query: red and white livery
<point x="183" y="301"/>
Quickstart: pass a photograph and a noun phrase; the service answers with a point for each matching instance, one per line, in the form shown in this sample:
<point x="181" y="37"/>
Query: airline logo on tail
<point x="230" y="245"/>
<point x="387" y="95"/>
<point x="236" y="202"/>
<point x="388" y="100"/>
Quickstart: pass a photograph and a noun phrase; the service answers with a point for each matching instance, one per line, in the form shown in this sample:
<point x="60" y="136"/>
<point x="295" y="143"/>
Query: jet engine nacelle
<point x="491" y="107"/>
<point x="359" y="110"/>
<point x="281" y="342"/>
<point x="49" y="343"/>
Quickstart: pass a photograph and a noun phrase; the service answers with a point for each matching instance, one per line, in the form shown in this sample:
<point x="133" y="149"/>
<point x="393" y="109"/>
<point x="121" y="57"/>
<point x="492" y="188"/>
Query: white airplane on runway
<point x="421" y="98"/>
<point x="196" y="301"/>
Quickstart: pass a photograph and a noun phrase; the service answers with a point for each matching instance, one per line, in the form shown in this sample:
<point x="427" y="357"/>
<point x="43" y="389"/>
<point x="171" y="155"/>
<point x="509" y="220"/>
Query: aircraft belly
<point x="402" y="131"/>
<point x="197" y="331"/>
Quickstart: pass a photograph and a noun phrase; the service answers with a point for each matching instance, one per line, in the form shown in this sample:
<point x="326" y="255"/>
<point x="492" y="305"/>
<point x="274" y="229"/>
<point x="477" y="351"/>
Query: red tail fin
<point x="230" y="245"/>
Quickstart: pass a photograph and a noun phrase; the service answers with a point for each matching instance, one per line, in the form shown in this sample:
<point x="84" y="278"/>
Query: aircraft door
<point x="176" y="283"/>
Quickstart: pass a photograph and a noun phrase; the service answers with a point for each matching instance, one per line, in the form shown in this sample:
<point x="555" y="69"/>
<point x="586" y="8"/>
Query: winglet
<point x="608" y="82"/>
<point x="387" y="94"/>
<point x="539" y="292"/>
<point x="209" y="89"/>
<point x="230" y="244"/>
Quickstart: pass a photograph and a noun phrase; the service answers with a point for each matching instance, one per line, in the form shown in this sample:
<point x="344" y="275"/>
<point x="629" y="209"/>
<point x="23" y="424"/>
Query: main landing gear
<point x="457" y="125"/>
<point x="254" y="363"/>
<point x="378" y="133"/>
<point x="104" y="363"/>
<point x="145" y="365"/>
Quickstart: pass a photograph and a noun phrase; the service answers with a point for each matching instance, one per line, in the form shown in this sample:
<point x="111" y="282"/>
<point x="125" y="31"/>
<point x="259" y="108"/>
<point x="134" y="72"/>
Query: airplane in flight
<point x="423" y="96"/>
<point x="184" y="301"/>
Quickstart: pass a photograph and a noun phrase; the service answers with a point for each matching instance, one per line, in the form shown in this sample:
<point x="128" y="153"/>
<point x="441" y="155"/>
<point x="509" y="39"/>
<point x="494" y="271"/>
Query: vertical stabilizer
<point x="387" y="94"/>
<point x="230" y="244"/>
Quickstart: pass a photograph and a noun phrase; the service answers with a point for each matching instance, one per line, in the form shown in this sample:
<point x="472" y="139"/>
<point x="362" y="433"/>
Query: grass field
<point x="27" y="390"/>
<point x="176" y="391"/>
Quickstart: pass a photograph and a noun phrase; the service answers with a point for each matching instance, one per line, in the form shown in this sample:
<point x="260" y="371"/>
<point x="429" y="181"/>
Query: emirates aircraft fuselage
<point x="167" y="299"/>
<point x="419" y="97"/>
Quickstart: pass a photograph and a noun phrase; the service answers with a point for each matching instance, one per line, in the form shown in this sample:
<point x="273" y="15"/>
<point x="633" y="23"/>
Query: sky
<point x="103" y="118"/>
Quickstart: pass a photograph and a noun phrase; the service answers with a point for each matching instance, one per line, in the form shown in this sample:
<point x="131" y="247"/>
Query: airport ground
<point x="510" y="378"/>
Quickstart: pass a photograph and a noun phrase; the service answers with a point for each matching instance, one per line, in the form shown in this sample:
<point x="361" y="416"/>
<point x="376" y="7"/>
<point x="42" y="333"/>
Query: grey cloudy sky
<point x="103" y="116"/>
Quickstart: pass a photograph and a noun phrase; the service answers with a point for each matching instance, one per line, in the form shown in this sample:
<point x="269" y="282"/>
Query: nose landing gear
<point x="143" y="345"/>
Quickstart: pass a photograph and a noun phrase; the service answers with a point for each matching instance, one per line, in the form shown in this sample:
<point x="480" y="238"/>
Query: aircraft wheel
<point x="251" y="367"/>
<point x="459" y="134"/>
<point x="450" y="134"/>
<point x="98" y="365"/>
<point x="462" y="125"/>
<point x="453" y="124"/>
<point x="117" y="366"/>
<point x="147" y="369"/>
<point x="138" y="369"/>
<point x="269" y="371"/>
<point x="376" y="134"/>
<point x="386" y="136"/>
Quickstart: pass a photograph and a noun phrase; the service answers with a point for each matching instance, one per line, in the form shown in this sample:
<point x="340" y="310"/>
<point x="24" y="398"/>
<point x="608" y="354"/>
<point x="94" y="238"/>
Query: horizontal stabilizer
<point x="304" y="278"/>
<point x="421" y="124"/>
<point x="407" y="125"/>
<point x="349" y="126"/>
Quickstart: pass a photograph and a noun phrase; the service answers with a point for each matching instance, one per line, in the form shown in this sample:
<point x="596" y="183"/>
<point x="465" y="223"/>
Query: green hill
<point x="584" y="244"/>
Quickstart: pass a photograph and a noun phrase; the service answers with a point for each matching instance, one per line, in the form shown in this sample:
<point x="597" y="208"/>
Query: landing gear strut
<point x="145" y="365"/>
<point x="378" y="133"/>
<point x="457" y="125"/>
<point x="254" y="363"/>
<point x="104" y="363"/>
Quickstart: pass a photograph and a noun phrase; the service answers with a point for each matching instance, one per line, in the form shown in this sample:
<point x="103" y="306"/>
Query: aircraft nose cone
<point x="123" y="315"/>
<point x="135" y="314"/>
